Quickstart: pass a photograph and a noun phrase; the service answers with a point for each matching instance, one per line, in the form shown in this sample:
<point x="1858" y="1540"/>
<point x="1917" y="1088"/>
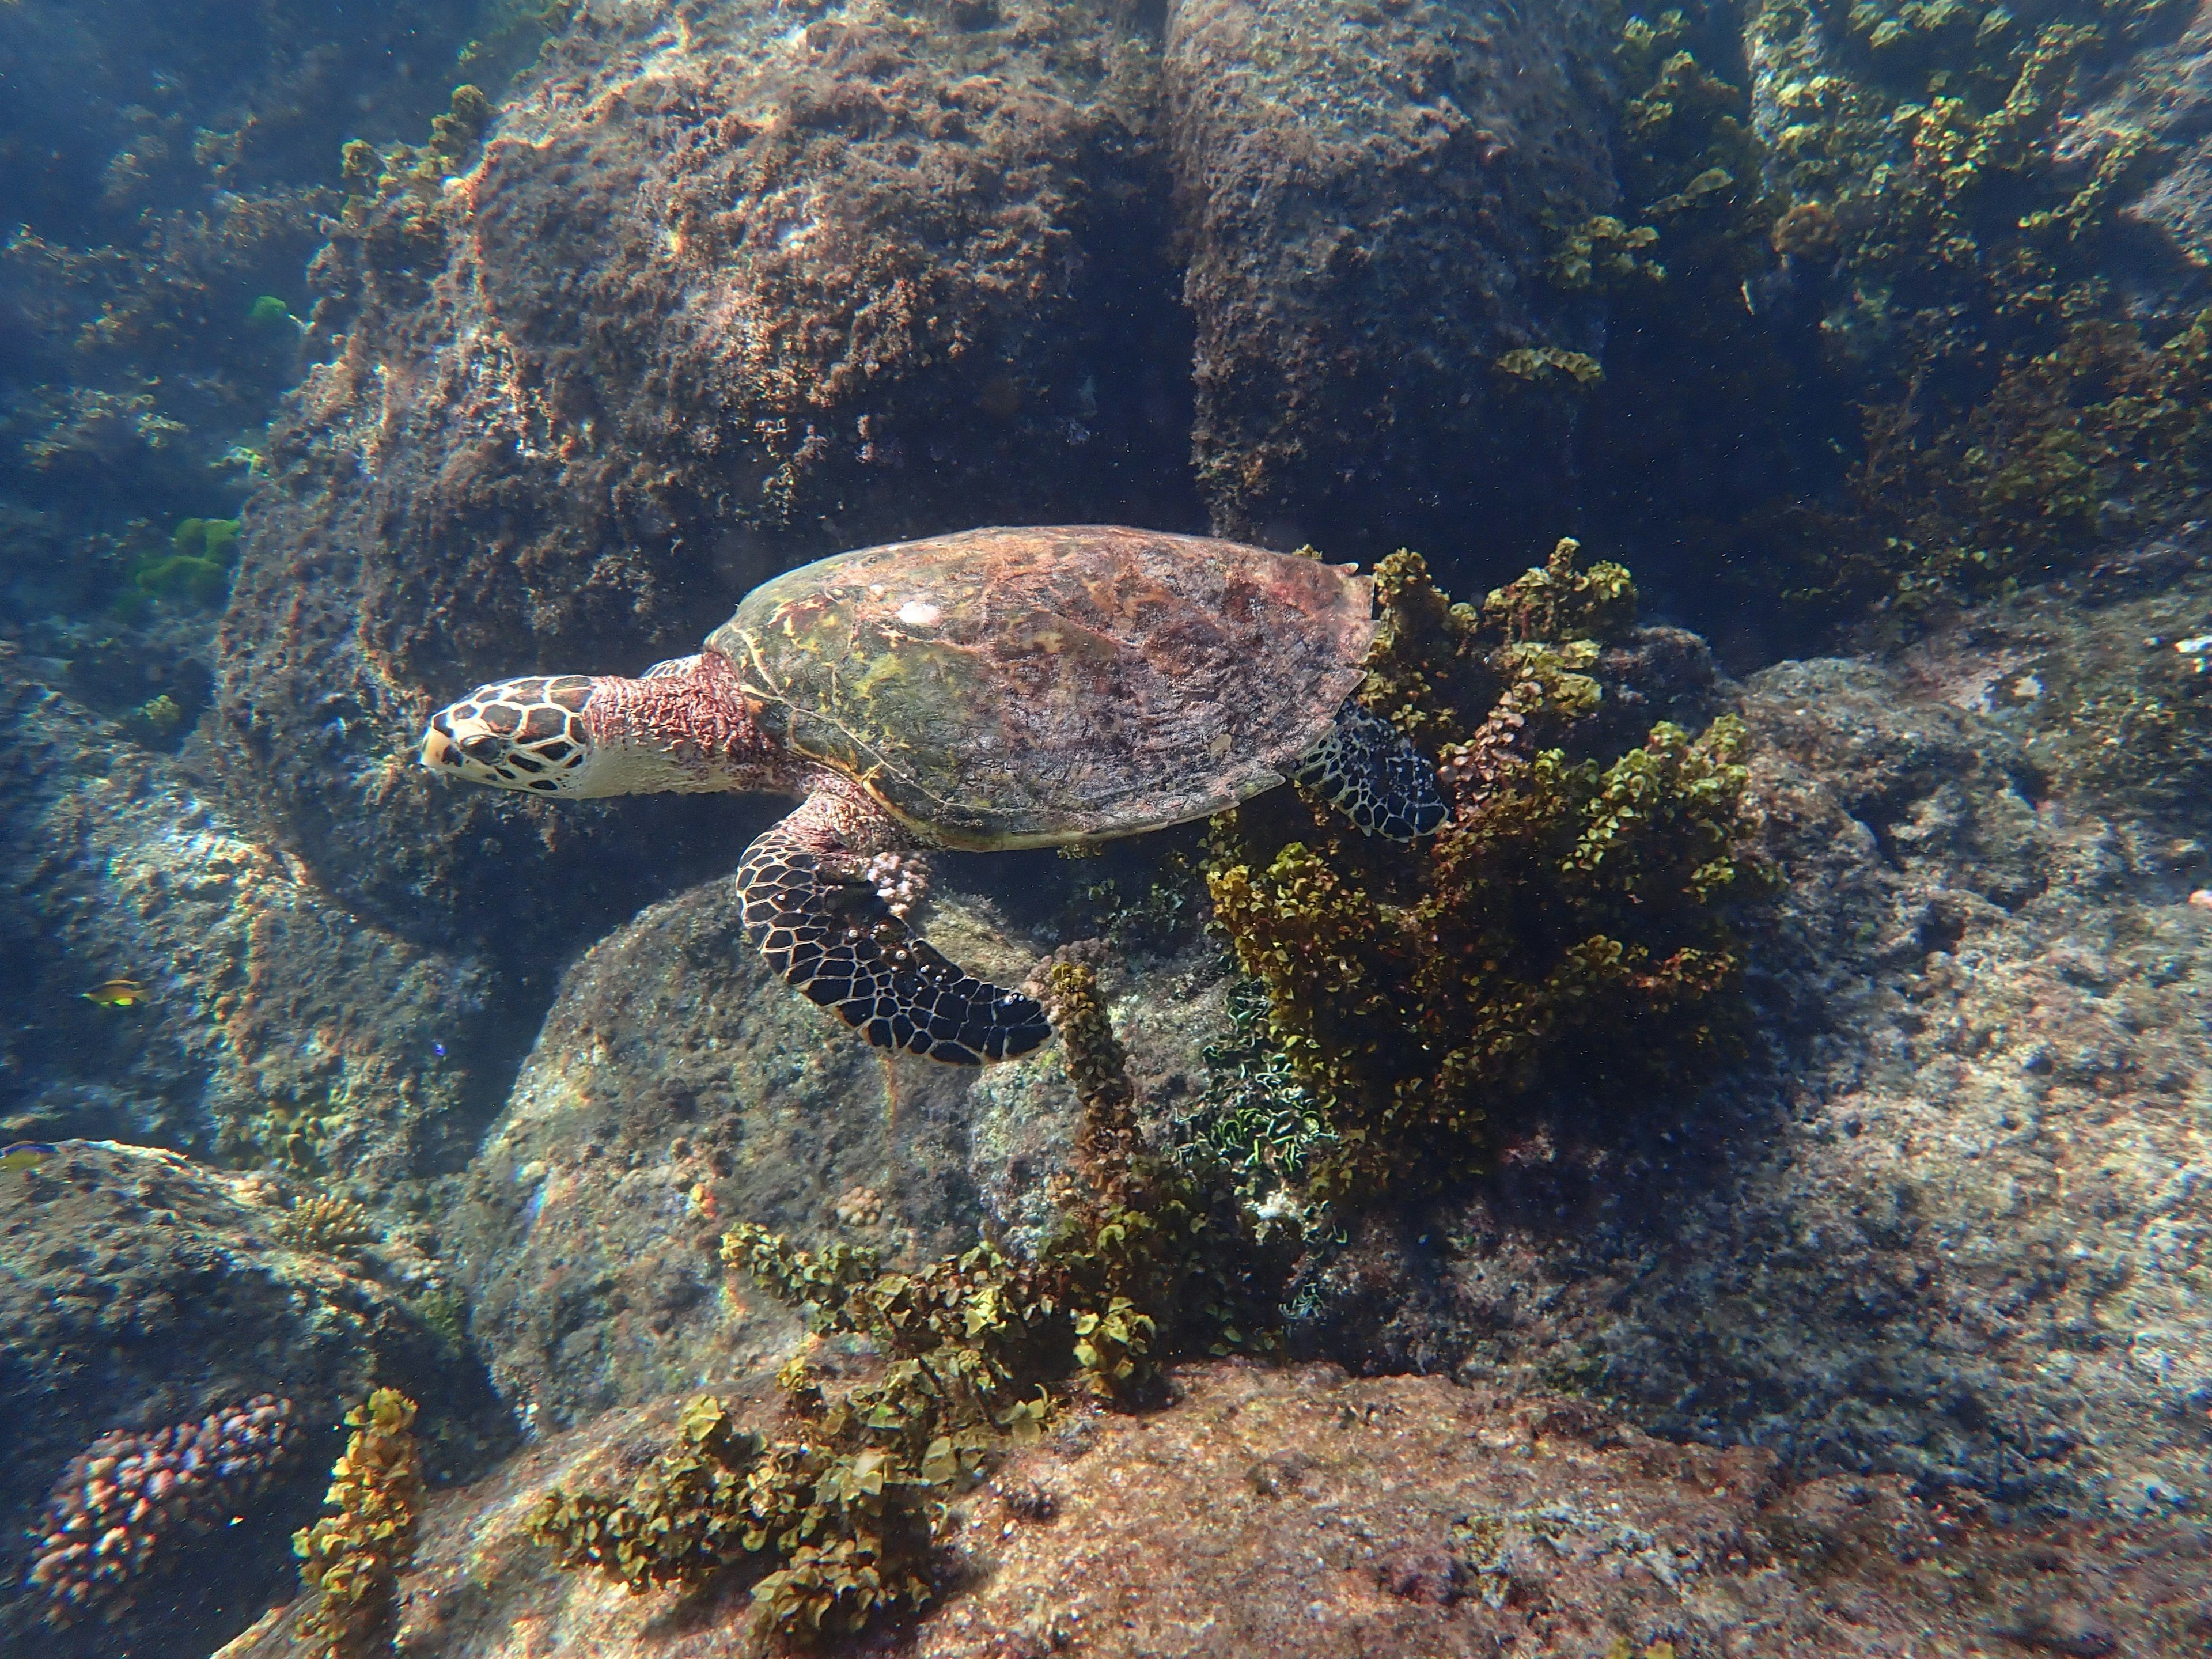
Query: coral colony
<point x="126" y="1496"/>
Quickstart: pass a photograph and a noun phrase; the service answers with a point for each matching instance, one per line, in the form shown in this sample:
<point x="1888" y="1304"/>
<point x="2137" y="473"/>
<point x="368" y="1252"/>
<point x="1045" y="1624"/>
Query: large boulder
<point x="721" y="295"/>
<point x="677" y="1087"/>
<point x="1292" y="1512"/>
<point x="1373" y="194"/>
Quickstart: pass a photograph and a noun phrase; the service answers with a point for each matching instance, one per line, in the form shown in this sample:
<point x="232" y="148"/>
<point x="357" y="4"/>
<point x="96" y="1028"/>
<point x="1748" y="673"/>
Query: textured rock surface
<point x="722" y="295"/>
<point x="1367" y="188"/>
<point x="1944" y="1219"/>
<point x="1949" y="1218"/>
<point x="141" y="1290"/>
<point x="276" y="1025"/>
<point x="678" y="1087"/>
<point x="1295" y="1512"/>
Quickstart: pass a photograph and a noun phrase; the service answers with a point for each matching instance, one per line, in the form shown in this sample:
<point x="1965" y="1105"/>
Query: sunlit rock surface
<point x="1295" y="1511"/>
<point x="677" y="1087"/>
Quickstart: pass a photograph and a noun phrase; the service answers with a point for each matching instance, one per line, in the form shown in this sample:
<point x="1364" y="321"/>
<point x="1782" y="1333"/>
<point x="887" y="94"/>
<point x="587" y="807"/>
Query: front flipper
<point x="1375" y="777"/>
<point x="822" y="925"/>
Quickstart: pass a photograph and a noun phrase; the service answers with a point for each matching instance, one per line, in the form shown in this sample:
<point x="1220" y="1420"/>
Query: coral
<point x="1546" y="362"/>
<point x="860" y="1207"/>
<point x="326" y="1223"/>
<point x="125" y="1505"/>
<point x="1565" y="924"/>
<point x="353" y="1558"/>
<point x="1258" y="1121"/>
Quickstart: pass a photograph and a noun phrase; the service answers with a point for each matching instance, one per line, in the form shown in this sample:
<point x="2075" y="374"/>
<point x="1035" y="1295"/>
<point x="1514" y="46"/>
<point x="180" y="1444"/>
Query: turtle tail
<point x="832" y="935"/>
<point x="1371" y="774"/>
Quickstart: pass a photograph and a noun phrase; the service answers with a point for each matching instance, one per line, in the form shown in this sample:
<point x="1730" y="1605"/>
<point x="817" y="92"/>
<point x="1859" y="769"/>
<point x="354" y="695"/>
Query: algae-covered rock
<point x="145" y="1291"/>
<point x="1934" y="1221"/>
<point x="722" y="294"/>
<point x="677" y="1088"/>
<point x="1367" y="189"/>
<point x="1293" y="1511"/>
<point x="270" y="1024"/>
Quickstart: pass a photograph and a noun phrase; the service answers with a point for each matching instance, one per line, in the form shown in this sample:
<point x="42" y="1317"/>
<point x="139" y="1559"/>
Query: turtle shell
<point x="1023" y="687"/>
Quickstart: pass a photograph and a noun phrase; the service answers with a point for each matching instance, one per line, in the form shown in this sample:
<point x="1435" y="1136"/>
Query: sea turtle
<point x="995" y="689"/>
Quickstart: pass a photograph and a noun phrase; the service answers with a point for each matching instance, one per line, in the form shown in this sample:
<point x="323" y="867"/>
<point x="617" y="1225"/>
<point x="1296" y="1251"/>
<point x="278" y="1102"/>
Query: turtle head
<point x="527" y="734"/>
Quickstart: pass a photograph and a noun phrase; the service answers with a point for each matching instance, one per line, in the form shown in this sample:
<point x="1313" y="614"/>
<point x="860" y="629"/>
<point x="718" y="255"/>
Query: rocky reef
<point x="1367" y="191"/>
<point x="174" y="1376"/>
<point x="1295" y="1510"/>
<point x="1738" y="1190"/>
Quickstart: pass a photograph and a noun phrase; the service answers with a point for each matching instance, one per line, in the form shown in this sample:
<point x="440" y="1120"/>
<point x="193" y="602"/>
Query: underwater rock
<point x="146" y="1293"/>
<point x="274" y="1025"/>
<point x="1937" y="1223"/>
<point x="1291" y="1510"/>
<point x="678" y="1087"/>
<point x="1366" y="190"/>
<point x="722" y="294"/>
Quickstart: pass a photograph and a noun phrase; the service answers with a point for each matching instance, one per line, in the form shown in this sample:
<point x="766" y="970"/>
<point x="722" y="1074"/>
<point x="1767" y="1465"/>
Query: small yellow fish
<point x="117" y="993"/>
<point x="23" y="1154"/>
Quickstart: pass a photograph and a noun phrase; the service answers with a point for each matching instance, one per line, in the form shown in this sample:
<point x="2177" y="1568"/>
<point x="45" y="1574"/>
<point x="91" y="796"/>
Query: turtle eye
<point x="484" y="748"/>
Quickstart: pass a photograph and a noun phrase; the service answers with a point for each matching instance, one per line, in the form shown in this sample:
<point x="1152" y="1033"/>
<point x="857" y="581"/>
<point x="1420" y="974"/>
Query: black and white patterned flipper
<point x="822" y="925"/>
<point x="1371" y="774"/>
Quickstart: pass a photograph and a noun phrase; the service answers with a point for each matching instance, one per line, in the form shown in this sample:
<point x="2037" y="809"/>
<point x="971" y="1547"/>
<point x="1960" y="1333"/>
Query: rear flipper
<point x="823" y="924"/>
<point x="1375" y="777"/>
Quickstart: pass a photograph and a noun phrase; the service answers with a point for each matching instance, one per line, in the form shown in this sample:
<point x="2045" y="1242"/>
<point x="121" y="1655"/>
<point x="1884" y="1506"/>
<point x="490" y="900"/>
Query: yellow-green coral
<point x="1564" y="924"/>
<point x="326" y="1223"/>
<point x="352" y="1559"/>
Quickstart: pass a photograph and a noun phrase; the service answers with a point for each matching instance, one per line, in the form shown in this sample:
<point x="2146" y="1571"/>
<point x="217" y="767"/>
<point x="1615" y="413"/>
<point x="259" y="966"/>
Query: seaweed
<point x="836" y="1527"/>
<point x="353" y="1558"/>
<point x="1571" y="923"/>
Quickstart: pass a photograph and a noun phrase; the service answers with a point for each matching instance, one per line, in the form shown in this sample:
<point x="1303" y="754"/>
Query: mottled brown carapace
<point x="1023" y="687"/>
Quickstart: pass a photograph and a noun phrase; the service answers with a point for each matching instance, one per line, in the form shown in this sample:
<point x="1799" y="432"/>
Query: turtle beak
<point x="440" y="752"/>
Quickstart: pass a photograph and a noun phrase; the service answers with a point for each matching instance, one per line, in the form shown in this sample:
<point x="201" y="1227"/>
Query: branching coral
<point x="353" y="1556"/>
<point x="1564" y="925"/>
<point x="326" y="1223"/>
<point x="126" y="1504"/>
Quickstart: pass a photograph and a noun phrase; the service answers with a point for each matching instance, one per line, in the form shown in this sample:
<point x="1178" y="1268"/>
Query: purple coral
<point x="126" y="1495"/>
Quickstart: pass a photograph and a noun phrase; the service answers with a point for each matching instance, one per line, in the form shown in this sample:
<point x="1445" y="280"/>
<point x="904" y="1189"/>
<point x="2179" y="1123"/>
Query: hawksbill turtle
<point x="997" y="688"/>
